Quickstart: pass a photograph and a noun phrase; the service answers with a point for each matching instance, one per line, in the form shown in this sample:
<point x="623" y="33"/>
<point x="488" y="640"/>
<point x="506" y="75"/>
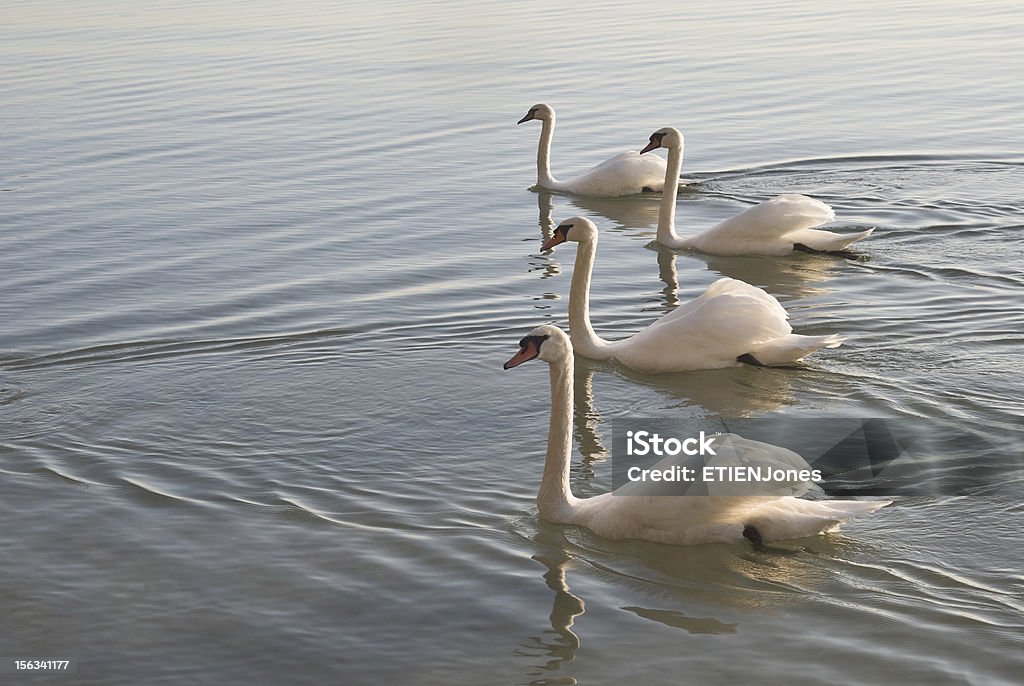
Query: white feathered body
<point x="688" y="520"/>
<point x="731" y="318"/>
<point x="691" y="519"/>
<point x="774" y="227"/>
<point x="628" y="173"/>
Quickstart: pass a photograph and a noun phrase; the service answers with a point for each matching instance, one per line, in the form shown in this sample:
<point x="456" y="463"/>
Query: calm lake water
<point x="261" y="263"/>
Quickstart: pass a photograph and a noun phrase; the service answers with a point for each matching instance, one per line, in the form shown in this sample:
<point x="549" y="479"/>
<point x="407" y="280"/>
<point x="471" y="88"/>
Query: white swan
<point x="625" y="174"/>
<point x="730" y="323"/>
<point x="774" y="227"/>
<point x="663" y="518"/>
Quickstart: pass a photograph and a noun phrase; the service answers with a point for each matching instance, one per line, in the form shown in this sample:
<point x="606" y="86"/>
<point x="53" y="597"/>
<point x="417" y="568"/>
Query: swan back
<point x="628" y="173"/>
<point x="729" y="319"/>
<point x="763" y="229"/>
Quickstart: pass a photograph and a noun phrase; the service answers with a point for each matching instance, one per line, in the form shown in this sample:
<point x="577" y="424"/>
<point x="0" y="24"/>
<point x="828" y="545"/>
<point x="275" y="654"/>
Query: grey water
<point x="261" y="263"/>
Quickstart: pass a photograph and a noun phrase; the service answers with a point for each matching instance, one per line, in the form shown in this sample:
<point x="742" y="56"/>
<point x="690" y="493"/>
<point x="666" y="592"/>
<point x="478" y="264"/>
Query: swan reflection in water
<point x="680" y="587"/>
<point x="587" y="419"/>
<point x="559" y="643"/>
<point x="630" y="214"/>
<point x="548" y="268"/>
<point x="787" y="278"/>
<point x="732" y="393"/>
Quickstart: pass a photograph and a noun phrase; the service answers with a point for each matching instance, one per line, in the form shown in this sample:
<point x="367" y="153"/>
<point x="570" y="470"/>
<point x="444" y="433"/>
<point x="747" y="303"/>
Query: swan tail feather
<point x="817" y="240"/>
<point x="795" y="517"/>
<point x="792" y="348"/>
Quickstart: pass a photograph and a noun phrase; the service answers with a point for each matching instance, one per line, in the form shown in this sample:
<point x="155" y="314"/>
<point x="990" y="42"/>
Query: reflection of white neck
<point x="667" y="235"/>
<point x="555" y="500"/>
<point x="544" y="177"/>
<point x="584" y="340"/>
<point x="587" y="420"/>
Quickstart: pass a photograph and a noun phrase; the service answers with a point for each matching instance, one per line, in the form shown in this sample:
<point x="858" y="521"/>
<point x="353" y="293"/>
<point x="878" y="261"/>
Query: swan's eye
<point x="535" y="341"/>
<point x="564" y="228"/>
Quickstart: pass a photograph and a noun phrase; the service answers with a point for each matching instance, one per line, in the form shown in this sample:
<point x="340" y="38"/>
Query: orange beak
<point x="525" y="354"/>
<point x="653" y="145"/>
<point x="557" y="239"/>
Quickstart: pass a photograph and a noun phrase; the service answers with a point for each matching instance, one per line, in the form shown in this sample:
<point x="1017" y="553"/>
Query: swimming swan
<point x="774" y="227"/>
<point x="730" y="323"/>
<point x="663" y="518"/>
<point x="625" y="174"/>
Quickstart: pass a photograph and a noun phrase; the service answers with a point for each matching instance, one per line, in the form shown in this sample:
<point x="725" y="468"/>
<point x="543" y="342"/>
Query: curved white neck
<point x="584" y="340"/>
<point x="544" y="177"/>
<point x="555" y="500"/>
<point x="667" y="214"/>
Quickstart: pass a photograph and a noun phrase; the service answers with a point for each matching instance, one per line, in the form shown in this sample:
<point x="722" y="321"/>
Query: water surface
<point x="261" y="264"/>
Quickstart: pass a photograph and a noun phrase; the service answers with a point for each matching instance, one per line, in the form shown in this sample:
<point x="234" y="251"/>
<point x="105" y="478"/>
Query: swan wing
<point x="770" y="469"/>
<point x="728" y="286"/>
<point x="730" y="319"/>
<point x="627" y="173"/>
<point x="727" y="321"/>
<point x="633" y="511"/>
<point x="786" y="518"/>
<point x="763" y="228"/>
<point x="633" y="161"/>
<point x="666" y="518"/>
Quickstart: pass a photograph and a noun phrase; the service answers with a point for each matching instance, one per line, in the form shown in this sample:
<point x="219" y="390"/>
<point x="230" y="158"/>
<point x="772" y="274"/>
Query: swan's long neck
<point x="584" y="340"/>
<point x="667" y="214"/>
<point x="544" y="177"/>
<point x="555" y="500"/>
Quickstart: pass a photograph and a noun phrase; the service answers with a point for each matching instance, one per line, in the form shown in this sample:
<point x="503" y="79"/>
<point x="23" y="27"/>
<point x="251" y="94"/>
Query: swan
<point x="625" y="174"/>
<point x="774" y="227"/>
<point x="661" y="518"/>
<point x="730" y="323"/>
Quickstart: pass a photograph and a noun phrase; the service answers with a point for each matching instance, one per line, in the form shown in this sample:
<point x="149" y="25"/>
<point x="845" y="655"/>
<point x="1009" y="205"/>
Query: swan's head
<point x="578" y="229"/>
<point x="538" y="111"/>
<point x="547" y="342"/>
<point x="664" y="138"/>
